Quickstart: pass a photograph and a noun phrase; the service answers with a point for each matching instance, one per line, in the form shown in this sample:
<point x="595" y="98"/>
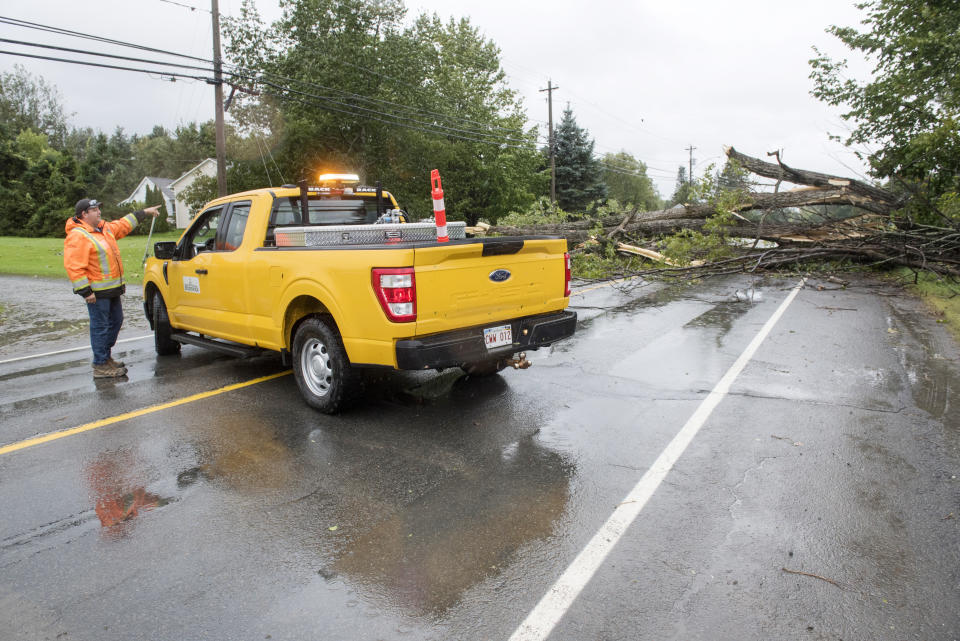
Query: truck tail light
<point x="396" y="289"/>
<point x="566" y="275"/>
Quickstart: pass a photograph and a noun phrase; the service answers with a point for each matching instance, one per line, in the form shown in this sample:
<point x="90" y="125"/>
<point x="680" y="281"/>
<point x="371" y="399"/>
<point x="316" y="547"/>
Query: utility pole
<point x="218" y="93"/>
<point x="690" y="175"/>
<point x="553" y="161"/>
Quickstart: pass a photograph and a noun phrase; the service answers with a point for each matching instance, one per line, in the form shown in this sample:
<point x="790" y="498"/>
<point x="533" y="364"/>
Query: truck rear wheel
<point x="321" y="367"/>
<point x="164" y="345"/>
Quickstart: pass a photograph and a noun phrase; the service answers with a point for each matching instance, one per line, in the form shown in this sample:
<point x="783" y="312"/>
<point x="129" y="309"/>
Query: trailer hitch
<point x="520" y="362"/>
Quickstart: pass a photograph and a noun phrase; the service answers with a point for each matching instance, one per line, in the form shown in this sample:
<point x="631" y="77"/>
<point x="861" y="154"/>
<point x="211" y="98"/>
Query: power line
<point x="105" y="66"/>
<point x="67" y="32"/>
<point x="102" y="55"/>
<point x="623" y="170"/>
<point x="319" y="101"/>
<point x="465" y="133"/>
<point x="324" y="103"/>
<point x="245" y="73"/>
<point x="260" y="78"/>
<point x="185" y="6"/>
<point x="256" y="80"/>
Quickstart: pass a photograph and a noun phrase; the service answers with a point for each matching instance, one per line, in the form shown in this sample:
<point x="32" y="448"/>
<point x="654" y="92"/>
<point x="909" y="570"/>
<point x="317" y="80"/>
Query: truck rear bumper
<point x="452" y="349"/>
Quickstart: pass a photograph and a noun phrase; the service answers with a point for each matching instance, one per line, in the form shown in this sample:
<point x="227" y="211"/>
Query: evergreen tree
<point x="684" y="190"/>
<point x="154" y="197"/>
<point x="733" y="178"/>
<point x="579" y="174"/>
<point x="45" y="186"/>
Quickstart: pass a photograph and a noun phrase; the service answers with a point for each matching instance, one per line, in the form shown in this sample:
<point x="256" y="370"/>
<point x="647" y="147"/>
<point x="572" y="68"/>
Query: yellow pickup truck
<point x="335" y="280"/>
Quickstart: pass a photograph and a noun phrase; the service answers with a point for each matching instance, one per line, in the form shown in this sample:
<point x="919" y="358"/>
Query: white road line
<point x="561" y="595"/>
<point x="72" y="349"/>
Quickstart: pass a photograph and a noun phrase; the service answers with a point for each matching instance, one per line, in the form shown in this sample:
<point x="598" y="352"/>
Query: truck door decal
<point x="191" y="284"/>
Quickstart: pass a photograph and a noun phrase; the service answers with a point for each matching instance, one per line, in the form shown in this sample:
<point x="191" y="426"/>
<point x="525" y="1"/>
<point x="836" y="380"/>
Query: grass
<point x="940" y="294"/>
<point x="44" y="256"/>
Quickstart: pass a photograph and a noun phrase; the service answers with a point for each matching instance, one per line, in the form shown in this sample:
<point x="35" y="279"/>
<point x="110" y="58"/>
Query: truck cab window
<point x="236" y="225"/>
<point x="323" y="210"/>
<point x="202" y="236"/>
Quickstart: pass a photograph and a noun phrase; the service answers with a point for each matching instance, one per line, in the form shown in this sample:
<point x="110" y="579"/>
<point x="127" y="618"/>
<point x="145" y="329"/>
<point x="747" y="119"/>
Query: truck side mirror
<point x="165" y="250"/>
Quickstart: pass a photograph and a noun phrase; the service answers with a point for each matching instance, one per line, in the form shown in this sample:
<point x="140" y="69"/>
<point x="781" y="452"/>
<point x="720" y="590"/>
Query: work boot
<point x="117" y="364"/>
<point x="106" y="370"/>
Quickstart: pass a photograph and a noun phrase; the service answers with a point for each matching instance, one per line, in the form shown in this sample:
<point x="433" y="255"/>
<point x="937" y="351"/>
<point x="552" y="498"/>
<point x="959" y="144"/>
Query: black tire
<point x="164" y="345"/>
<point x="323" y="372"/>
<point x="484" y="368"/>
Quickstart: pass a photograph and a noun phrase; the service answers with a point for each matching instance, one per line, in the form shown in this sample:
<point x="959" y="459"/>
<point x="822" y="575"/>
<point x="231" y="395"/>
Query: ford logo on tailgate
<point x="499" y="275"/>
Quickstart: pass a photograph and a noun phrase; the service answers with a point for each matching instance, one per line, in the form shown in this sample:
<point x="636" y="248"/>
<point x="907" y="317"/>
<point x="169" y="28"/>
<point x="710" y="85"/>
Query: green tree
<point x="43" y="187"/>
<point x="579" y="175"/>
<point x="357" y="90"/>
<point x="627" y="181"/>
<point x="28" y="102"/>
<point x="733" y="177"/>
<point x="909" y="111"/>
<point x="683" y="192"/>
<point x="162" y="223"/>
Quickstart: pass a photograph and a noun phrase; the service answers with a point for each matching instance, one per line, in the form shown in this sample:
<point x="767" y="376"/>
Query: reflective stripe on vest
<point x="101" y="252"/>
<point x="101" y="285"/>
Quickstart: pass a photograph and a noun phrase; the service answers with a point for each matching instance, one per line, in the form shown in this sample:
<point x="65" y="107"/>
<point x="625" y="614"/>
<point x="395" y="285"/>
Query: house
<point x="139" y="194"/>
<point x="172" y="190"/>
<point x="206" y="168"/>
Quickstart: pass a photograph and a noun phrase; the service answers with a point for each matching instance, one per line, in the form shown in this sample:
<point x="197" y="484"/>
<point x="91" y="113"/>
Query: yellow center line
<point x="53" y="436"/>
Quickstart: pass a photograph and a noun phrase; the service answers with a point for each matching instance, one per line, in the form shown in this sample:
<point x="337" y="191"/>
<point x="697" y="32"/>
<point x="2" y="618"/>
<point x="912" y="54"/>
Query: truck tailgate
<point x="466" y="284"/>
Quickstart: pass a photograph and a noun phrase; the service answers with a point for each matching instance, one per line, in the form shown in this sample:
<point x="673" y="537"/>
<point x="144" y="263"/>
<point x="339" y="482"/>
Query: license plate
<point x="498" y="336"/>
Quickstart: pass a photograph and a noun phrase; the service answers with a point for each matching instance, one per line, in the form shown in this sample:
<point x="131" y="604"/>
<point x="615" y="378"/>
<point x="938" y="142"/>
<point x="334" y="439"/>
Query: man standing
<point x="92" y="260"/>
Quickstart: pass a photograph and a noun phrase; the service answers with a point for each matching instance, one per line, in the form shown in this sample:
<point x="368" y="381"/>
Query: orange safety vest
<point x="91" y="256"/>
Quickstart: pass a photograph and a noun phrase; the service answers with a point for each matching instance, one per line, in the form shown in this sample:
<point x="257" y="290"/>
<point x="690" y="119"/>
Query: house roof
<point x="164" y="185"/>
<point x="193" y="170"/>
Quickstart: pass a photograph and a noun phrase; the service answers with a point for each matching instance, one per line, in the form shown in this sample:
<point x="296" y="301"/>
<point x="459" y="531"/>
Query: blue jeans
<point x="106" y="317"/>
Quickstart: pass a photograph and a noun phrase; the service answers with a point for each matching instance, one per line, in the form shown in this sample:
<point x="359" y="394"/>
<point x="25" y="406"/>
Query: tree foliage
<point x="28" y="102"/>
<point x="333" y="85"/>
<point x="627" y="182"/>
<point x="909" y="111"/>
<point x="683" y="191"/>
<point x="357" y="90"/>
<point x="579" y="175"/>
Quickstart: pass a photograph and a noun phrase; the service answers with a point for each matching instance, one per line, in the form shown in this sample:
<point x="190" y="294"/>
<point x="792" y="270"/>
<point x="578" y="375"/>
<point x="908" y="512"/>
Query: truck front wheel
<point x="165" y="345"/>
<point x="321" y="367"/>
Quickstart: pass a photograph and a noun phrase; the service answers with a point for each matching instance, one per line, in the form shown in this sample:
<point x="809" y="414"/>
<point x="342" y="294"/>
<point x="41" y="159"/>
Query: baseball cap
<point x="84" y="204"/>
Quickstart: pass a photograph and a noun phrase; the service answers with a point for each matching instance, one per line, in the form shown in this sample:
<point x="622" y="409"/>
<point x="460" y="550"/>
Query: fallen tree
<point x="878" y="236"/>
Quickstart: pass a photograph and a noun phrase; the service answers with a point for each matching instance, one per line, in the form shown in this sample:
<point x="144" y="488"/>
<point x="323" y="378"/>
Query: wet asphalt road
<point x="820" y="500"/>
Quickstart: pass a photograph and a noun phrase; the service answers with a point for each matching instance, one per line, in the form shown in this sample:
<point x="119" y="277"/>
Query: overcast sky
<point x="649" y="77"/>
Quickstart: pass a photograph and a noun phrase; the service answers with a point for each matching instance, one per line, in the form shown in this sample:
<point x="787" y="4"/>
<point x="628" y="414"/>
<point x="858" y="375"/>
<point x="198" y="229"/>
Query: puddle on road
<point x="686" y="348"/>
<point x="424" y="557"/>
<point x="933" y="379"/>
<point x="47" y="369"/>
<point x="41" y="311"/>
<point x="420" y="513"/>
<point x="118" y="499"/>
<point x="721" y="318"/>
<point x="17" y="330"/>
